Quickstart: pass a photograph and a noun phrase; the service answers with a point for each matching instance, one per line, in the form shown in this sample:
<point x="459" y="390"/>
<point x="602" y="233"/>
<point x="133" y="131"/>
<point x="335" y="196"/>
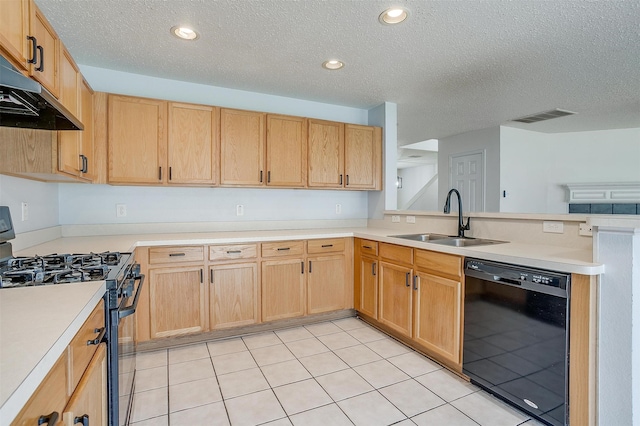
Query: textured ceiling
<point x="452" y="67"/>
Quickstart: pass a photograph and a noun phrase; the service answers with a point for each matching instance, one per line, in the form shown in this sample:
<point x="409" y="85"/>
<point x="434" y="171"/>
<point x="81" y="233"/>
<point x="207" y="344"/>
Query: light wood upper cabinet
<point x="286" y="151"/>
<point x="70" y="80"/>
<point x="325" y="154"/>
<point x="87" y="150"/>
<point x="363" y="157"/>
<point x="233" y="295"/>
<point x="396" y="298"/>
<point x="14" y="29"/>
<point x="242" y="153"/>
<point x="137" y="140"/>
<point x="283" y="289"/>
<point x="193" y="144"/>
<point x="69" y="142"/>
<point x="177" y="301"/>
<point x="45" y="70"/>
<point x="437" y="315"/>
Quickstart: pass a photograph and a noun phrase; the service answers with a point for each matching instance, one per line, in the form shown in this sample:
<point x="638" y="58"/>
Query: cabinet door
<point x="89" y="171"/>
<point x="14" y="29"/>
<point x="369" y="287"/>
<point x="137" y="140"/>
<point x="396" y="297"/>
<point x="363" y="157"/>
<point x="242" y="140"/>
<point x="286" y="151"/>
<point x="177" y="301"/>
<point x="69" y="142"/>
<point x="69" y="81"/>
<point x="45" y="70"/>
<point x="326" y="284"/>
<point x="233" y="295"/>
<point x="283" y="289"/>
<point x="325" y="154"/>
<point x="90" y="397"/>
<point x="192" y="150"/>
<point x="437" y="315"/>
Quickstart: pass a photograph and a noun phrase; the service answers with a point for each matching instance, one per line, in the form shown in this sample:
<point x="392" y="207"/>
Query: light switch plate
<point x="239" y="210"/>
<point x="121" y="210"/>
<point x="338" y="208"/>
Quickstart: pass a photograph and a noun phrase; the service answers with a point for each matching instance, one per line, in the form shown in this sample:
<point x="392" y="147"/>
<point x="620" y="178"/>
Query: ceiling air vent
<point x="542" y="116"/>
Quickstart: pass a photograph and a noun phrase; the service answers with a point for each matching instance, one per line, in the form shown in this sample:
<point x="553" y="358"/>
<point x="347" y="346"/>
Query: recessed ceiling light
<point x="333" y="64"/>
<point x="393" y="15"/>
<point x="184" y="33"/>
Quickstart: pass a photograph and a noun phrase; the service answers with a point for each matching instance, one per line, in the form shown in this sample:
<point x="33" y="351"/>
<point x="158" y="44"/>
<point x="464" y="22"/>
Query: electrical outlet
<point x="395" y="219"/>
<point x="121" y="210"/>
<point x="239" y="210"/>
<point x="338" y="208"/>
<point x="411" y="219"/>
<point x="585" y="230"/>
<point x="553" y="227"/>
<point x="25" y="211"/>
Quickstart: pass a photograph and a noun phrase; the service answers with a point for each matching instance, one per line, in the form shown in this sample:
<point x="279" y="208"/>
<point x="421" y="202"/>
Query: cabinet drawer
<point x="398" y="254"/>
<point x="236" y="251"/>
<point x="176" y="254"/>
<point x="283" y="248"/>
<point x="441" y="263"/>
<point x="327" y="245"/>
<point x="369" y="247"/>
<point x="80" y="351"/>
<point x="50" y="396"/>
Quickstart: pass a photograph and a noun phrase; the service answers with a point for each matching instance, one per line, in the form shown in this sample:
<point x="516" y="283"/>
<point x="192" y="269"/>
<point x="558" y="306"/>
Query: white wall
<point x="534" y="167"/>
<point x="385" y="116"/>
<point x="413" y="180"/>
<point x="487" y="140"/>
<point x="41" y="198"/>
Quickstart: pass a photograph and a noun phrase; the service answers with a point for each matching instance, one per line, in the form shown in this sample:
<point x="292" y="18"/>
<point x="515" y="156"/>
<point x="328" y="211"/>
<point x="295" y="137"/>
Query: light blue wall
<point x="41" y="198"/>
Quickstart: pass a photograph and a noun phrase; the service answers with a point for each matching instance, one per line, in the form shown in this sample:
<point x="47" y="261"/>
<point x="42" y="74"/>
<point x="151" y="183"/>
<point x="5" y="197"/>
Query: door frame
<point x="483" y="153"/>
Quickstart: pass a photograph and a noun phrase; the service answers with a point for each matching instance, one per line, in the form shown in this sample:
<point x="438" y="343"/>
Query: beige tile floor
<point x="333" y="373"/>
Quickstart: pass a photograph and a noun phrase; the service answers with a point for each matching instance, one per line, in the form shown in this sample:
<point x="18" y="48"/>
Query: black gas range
<point x="123" y="280"/>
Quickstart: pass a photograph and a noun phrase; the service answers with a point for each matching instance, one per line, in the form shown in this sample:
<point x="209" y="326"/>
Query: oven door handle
<point x="129" y="310"/>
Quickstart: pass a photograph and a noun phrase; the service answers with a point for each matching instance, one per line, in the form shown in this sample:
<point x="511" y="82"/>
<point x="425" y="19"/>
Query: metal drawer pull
<point x="284" y="248"/>
<point x="327" y="245"/>
<point x="367" y="247"/>
<point x="84" y="419"/>
<point x="49" y="419"/>
<point x="234" y="251"/>
<point x="101" y="332"/>
<point x="406" y="279"/>
<point x="177" y="254"/>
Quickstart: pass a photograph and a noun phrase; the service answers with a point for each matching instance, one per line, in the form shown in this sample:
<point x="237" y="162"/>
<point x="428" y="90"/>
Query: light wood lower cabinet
<point x="283" y="289"/>
<point x="89" y="401"/>
<point x="177" y="301"/>
<point x="233" y="295"/>
<point x="437" y="315"/>
<point x="325" y="284"/>
<point x="396" y="298"/>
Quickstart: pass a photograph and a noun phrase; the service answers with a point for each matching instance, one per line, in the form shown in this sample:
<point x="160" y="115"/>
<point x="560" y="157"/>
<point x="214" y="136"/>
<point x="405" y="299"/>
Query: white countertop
<point x="556" y="258"/>
<point x="36" y="326"/>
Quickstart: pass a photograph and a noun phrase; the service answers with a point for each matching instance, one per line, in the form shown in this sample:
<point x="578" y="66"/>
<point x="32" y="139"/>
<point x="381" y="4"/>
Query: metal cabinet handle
<point x="177" y="254"/>
<point x="406" y="279"/>
<point x="284" y="248"/>
<point x="41" y="67"/>
<point x="49" y="419"/>
<point x="170" y="173"/>
<point x="101" y="332"/>
<point x="302" y="267"/>
<point x="211" y="276"/>
<point x="160" y="173"/>
<point x="269" y="176"/>
<point x="347" y="179"/>
<point x="84" y="162"/>
<point x="260" y="176"/>
<point x="373" y="268"/>
<point x="327" y="245"/>
<point x="234" y="251"/>
<point x="34" y="52"/>
<point x="201" y="276"/>
<point x="340" y="179"/>
<point x="415" y="282"/>
<point x="84" y="419"/>
<point x="309" y="266"/>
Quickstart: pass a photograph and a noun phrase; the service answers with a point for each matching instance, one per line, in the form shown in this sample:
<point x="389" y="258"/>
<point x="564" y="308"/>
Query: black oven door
<point x="127" y="303"/>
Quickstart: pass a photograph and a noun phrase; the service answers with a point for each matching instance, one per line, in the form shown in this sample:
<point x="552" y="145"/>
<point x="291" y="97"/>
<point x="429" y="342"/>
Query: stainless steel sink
<point x="422" y="237"/>
<point x="467" y="242"/>
<point x="447" y="240"/>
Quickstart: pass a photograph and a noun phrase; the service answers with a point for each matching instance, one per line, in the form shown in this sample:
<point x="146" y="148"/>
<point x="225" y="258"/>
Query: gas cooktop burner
<point x="57" y="269"/>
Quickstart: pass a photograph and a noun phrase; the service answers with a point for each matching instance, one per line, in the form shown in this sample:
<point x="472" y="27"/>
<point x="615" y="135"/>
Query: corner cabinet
<point x="363" y="157"/>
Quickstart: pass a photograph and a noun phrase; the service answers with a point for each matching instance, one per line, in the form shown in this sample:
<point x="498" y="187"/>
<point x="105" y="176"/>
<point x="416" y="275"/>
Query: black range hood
<point x="25" y="103"/>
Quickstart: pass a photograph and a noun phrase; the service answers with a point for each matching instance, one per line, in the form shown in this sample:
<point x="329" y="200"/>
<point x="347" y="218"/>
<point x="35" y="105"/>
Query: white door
<point x="466" y="174"/>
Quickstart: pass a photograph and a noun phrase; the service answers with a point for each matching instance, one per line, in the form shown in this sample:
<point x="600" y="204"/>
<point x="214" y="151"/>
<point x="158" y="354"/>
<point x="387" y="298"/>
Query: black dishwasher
<point x="516" y="339"/>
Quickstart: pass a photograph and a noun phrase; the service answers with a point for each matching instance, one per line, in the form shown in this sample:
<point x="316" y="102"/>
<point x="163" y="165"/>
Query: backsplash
<point x="605" y="208"/>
